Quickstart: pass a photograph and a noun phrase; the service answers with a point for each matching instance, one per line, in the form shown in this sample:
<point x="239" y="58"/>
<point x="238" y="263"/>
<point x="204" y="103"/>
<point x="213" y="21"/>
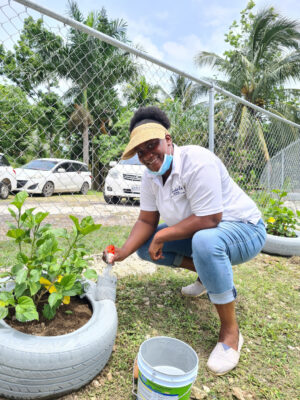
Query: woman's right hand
<point x="119" y="255"/>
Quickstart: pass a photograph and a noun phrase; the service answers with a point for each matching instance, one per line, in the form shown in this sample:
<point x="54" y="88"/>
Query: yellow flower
<point x="52" y="289"/>
<point x="66" y="300"/>
<point x="2" y="303"/>
<point x="285" y="228"/>
<point x="271" y="220"/>
<point x="48" y="285"/>
<point x="45" y="281"/>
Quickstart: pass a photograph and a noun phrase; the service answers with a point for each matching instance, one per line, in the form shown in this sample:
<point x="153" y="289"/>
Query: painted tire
<point x="36" y="367"/>
<point x="282" y="246"/>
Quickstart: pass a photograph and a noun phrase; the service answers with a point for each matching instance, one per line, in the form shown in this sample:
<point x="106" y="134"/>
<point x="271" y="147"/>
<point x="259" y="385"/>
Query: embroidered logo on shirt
<point x="177" y="191"/>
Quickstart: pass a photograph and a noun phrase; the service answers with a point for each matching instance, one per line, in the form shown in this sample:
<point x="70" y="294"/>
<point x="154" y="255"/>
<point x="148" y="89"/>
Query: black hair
<point x="149" y="114"/>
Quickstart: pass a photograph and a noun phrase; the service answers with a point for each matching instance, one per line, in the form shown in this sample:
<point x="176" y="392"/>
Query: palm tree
<point x="185" y="90"/>
<point x="140" y="93"/>
<point x="266" y="58"/>
<point x="81" y="119"/>
<point x="95" y="68"/>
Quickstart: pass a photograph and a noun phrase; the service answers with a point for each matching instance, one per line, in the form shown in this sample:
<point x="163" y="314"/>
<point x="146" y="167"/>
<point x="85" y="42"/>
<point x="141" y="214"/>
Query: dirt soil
<point x="68" y="319"/>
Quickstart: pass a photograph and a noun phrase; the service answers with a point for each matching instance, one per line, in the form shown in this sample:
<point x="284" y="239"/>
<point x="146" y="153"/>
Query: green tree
<point x="95" y="68"/>
<point x="30" y="130"/>
<point x="16" y="123"/>
<point x="108" y="148"/>
<point x="140" y="93"/>
<point x="51" y="123"/>
<point x="187" y="125"/>
<point x="33" y="62"/>
<point x="35" y="58"/>
<point x="184" y="90"/>
<point x="264" y="56"/>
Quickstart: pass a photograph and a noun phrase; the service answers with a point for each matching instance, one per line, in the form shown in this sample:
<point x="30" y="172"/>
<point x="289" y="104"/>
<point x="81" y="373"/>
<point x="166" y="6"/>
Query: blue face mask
<point x="164" y="166"/>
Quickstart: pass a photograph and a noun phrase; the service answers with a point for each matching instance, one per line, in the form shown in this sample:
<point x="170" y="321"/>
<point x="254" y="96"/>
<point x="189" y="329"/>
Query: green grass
<point x="150" y="305"/>
<point x="95" y="193"/>
<point x="267" y="309"/>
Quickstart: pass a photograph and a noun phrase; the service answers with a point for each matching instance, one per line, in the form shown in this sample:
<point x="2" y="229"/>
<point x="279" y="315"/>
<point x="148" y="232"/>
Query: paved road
<point x="60" y="207"/>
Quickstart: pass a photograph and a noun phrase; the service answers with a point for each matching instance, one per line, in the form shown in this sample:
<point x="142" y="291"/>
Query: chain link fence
<point x="67" y="94"/>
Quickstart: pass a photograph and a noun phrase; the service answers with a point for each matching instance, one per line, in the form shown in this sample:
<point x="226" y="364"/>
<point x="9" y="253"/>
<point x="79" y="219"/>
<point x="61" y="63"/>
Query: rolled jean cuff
<point x="177" y="260"/>
<point x="223" y="298"/>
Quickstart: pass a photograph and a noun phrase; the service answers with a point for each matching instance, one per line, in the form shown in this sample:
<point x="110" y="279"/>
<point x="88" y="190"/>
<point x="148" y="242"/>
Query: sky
<point x="175" y="31"/>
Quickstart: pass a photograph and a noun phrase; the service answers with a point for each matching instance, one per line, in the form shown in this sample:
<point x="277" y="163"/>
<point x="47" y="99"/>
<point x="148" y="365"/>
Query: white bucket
<point x="168" y="368"/>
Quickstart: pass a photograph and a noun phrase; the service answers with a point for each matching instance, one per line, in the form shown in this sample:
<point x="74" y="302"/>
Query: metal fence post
<point x="211" y="119"/>
<point x="268" y="174"/>
<point x="282" y="169"/>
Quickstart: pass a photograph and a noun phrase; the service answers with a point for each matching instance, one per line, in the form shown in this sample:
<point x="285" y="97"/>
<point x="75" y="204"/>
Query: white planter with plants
<point x="282" y="246"/>
<point x="281" y="225"/>
<point x="37" y="367"/>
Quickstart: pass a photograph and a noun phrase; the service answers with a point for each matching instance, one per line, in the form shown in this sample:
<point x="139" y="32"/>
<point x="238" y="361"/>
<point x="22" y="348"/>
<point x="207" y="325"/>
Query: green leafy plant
<point x="44" y="274"/>
<point x="281" y="220"/>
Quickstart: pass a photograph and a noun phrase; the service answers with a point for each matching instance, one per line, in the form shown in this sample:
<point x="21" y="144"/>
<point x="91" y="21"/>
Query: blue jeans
<point x="214" y="251"/>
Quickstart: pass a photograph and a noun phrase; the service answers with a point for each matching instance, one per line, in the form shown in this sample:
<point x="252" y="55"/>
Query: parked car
<point x="53" y="175"/>
<point x="123" y="180"/>
<point x="8" y="181"/>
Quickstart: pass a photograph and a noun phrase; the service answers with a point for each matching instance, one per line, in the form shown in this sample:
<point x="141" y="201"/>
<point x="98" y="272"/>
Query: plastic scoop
<point x="109" y="254"/>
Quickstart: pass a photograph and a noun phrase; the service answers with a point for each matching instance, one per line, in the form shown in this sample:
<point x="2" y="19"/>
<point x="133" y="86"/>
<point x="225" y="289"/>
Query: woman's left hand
<point x="155" y="248"/>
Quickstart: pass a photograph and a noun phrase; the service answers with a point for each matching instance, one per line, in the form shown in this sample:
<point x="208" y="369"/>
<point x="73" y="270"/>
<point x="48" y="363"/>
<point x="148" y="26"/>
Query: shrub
<point x="44" y="273"/>
<point x="281" y="221"/>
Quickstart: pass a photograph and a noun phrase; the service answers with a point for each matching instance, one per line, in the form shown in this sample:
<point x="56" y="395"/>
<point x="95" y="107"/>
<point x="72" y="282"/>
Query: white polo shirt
<point x="199" y="184"/>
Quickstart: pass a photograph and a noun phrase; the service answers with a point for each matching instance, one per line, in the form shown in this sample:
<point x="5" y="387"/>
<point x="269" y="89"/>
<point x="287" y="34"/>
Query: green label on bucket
<point x="147" y="390"/>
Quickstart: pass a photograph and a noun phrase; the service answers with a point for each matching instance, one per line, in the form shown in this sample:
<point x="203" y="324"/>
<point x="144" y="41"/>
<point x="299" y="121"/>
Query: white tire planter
<point x="282" y="246"/>
<point x="37" y="367"/>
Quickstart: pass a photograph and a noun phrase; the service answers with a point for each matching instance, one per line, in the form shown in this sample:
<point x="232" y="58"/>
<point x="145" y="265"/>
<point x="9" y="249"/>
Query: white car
<point x="8" y="181"/>
<point x="53" y="175"/>
<point x="123" y="180"/>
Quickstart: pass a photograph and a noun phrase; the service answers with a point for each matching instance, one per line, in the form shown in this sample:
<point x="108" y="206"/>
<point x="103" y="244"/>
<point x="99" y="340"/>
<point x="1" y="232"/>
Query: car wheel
<point x="48" y="189"/>
<point x="84" y="188"/>
<point x="112" y="199"/>
<point x="4" y="191"/>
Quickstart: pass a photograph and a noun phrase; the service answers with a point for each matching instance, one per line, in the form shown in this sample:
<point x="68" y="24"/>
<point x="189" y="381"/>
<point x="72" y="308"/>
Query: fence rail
<point x="68" y="92"/>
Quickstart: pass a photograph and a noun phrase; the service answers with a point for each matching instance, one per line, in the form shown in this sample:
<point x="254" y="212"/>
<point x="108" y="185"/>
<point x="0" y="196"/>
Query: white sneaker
<point x="223" y="358"/>
<point x="195" y="289"/>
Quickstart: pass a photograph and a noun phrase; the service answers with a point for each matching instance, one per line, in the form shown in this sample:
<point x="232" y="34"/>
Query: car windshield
<point x="132" y="161"/>
<point x="43" y="165"/>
